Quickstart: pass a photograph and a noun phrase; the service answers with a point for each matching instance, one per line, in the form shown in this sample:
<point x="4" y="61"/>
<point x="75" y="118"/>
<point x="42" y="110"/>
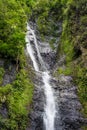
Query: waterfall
<point x="50" y="111"/>
<point x="49" y="107"/>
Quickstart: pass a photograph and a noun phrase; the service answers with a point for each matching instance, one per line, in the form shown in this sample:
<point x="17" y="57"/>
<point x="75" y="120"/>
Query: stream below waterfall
<point x="55" y="103"/>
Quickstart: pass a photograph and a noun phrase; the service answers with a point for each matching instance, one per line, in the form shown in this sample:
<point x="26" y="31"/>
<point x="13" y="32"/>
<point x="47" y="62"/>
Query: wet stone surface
<point x="68" y="116"/>
<point x="36" y="116"/>
<point x="69" y="105"/>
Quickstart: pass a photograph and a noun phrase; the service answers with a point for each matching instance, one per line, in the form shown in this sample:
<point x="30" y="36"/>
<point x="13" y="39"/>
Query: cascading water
<point x="50" y="111"/>
<point x="49" y="107"/>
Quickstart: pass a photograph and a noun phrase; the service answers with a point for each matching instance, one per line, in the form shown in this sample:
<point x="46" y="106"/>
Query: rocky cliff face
<point x="71" y="48"/>
<point x="12" y="82"/>
<point x="64" y="25"/>
<point x="9" y="75"/>
<point x="9" y="71"/>
<point x="68" y="116"/>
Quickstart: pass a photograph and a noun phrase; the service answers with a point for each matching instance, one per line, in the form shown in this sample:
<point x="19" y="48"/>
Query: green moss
<point x="83" y="19"/>
<point x="73" y="44"/>
<point x="1" y="74"/>
<point x="81" y="81"/>
<point x="42" y="24"/>
<point x="65" y="69"/>
<point x="52" y="42"/>
<point x="84" y="128"/>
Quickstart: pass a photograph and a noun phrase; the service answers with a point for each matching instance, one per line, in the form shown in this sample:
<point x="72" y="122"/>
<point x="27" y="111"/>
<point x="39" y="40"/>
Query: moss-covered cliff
<point x="49" y="15"/>
<point x="16" y="87"/>
<point x="74" y="45"/>
<point x="73" y="40"/>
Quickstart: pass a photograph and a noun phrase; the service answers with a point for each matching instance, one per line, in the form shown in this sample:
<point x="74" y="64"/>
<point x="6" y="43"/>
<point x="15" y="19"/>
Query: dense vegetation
<point x="74" y="45"/>
<point x="17" y="96"/>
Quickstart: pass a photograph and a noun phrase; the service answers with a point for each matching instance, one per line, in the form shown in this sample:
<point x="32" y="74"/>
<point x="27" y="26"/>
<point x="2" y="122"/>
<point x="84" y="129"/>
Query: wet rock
<point x="49" y="58"/>
<point x="68" y="116"/>
<point x="69" y="105"/>
<point x="3" y="110"/>
<point x="10" y="73"/>
<point x="36" y="116"/>
<point x="1" y="63"/>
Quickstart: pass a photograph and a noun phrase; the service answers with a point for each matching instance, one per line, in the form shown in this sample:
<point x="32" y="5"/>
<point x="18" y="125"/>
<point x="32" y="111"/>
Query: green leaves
<point x="18" y="95"/>
<point x="12" y="28"/>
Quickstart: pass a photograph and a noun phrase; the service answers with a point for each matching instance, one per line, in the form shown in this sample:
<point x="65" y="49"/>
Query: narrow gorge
<point x="55" y="103"/>
<point x="43" y="64"/>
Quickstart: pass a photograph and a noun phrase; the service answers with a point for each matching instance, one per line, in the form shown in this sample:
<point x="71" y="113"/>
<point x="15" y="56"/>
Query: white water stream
<point x="49" y="107"/>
